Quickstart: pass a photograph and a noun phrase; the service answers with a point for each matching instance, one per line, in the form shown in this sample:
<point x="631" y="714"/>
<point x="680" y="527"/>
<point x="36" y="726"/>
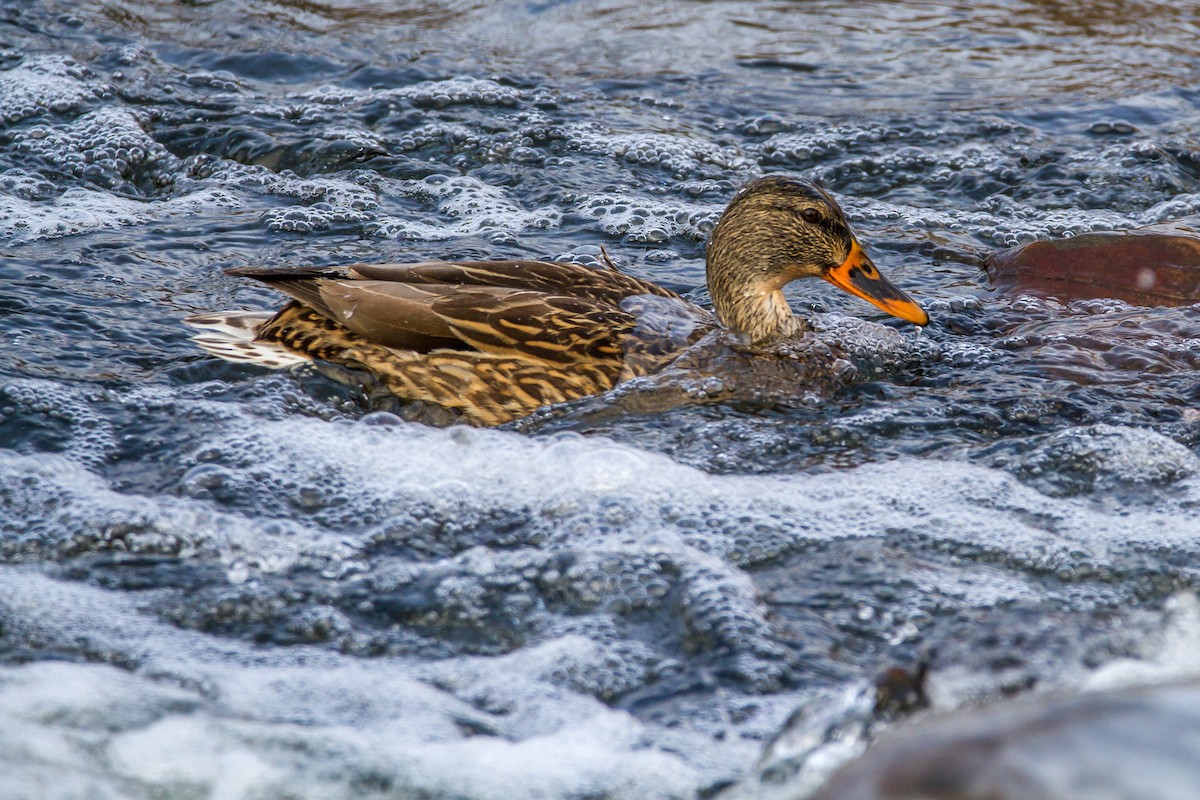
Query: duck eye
<point x="811" y="216"/>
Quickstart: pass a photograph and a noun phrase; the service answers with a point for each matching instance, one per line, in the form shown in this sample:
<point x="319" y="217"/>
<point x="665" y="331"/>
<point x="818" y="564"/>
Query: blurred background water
<point x="222" y="582"/>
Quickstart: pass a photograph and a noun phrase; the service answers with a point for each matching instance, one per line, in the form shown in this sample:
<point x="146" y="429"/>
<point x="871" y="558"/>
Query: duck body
<point x="489" y="340"/>
<point x="492" y="341"/>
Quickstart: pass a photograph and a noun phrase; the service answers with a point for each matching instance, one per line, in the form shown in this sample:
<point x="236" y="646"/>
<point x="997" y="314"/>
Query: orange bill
<point x="858" y="276"/>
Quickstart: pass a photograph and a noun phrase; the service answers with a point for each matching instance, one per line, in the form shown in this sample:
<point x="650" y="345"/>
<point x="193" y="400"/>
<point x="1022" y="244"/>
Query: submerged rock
<point x="1149" y="267"/>
<point x="1130" y="744"/>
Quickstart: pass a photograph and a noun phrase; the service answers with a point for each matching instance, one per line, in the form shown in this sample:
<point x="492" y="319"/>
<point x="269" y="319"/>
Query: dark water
<point x="219" y="582"/>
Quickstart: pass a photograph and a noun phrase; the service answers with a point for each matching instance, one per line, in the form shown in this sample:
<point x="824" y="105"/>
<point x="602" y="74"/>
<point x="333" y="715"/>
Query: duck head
<point x="779" y="229"/>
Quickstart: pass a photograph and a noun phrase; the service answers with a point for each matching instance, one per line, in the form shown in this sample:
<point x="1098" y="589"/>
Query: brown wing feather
<point x="484" y="388"/>
<point x="387" y="312"/>
<point x="555" y="329"/>
<point x="542" y="309"/>
<point x="604" y="285"/>
<point x="490" y="389"/>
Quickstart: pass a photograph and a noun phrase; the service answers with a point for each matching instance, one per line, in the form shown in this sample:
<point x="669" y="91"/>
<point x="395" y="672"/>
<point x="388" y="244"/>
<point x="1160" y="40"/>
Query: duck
<point x="494" y="341"/>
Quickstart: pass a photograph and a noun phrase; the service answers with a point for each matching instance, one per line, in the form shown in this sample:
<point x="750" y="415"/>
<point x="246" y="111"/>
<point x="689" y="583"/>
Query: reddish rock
<point x="1146" y="267"/>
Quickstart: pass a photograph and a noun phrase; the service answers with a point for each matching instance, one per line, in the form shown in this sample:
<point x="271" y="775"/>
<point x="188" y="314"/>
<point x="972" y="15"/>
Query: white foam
<point x="326" y="201"/>
<point x="79" y="211"/>
<point x="1172" y="654"/>
<point x="1104" y="458"/>
<point x="459" y="90"/>
<point x="44" y="83"/>
<point x="229" y="721"/>
<point x="1006" y="223"/>
<point x="467" y="206"/>
<point x="604" y="530"/>
<point x="466" y="469"/>
<point x="680" y="155"/>
<point x="649" y="221"/>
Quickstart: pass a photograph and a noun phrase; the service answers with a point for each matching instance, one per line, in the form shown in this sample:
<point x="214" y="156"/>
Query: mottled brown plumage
<point x="495" y="340"/>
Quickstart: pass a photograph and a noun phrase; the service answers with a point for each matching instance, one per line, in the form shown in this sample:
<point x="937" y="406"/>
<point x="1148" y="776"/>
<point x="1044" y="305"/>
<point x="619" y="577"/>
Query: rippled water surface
<point x="222" y="582"/>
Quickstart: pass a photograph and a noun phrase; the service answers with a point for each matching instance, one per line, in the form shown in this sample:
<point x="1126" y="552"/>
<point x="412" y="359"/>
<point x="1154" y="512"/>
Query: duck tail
<point x="232" y="335"/>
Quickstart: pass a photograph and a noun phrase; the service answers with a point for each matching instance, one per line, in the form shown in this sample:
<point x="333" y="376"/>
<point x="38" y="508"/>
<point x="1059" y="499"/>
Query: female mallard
<point x="495" y="340"/>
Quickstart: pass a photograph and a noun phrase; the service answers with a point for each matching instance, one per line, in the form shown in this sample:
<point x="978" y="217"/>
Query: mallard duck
<point x="495" y="340"/>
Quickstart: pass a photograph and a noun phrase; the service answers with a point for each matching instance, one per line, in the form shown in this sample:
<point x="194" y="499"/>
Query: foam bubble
<point x="107" y="148"/>
<point x="468" y="207"/>
<point x="90" y="437"/>
<point x="1170" y="654"/>
<point x="1005" y="224"/>
<point x="1103" y="458"/>
<point x="79" y="211"/>
<point x="459" y="90"/>
<point x="41" y="84"/>
<point x="327" y="201"/>
<point x="462" y="477"/>
<point x="649" y="221"/>
<point x="679" y="155"/>
<point x="109" y="151"/>
<point x="57" y="715"/>
<point x="1125" y="186"/>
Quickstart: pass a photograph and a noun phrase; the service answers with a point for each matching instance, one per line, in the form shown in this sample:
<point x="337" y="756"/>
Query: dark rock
<point x="1133" y="744"/>
<point x="901" y="690"/>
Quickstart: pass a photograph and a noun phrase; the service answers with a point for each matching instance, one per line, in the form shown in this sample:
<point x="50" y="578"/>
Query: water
<point x="222" y="582"/>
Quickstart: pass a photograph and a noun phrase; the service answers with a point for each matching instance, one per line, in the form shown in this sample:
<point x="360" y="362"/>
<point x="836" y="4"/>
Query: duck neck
<point x="748" y="301"/>
<point x="759" y="313"/>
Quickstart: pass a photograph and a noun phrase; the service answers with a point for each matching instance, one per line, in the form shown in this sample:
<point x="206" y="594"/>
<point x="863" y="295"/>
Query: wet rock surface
<point x="1141" y="267"/>
<point x="1132" y="744"/>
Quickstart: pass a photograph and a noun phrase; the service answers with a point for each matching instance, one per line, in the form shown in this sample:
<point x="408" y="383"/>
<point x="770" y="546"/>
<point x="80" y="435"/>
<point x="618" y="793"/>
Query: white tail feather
<point x="230" y="335"/>
<point x="241" y="325"/>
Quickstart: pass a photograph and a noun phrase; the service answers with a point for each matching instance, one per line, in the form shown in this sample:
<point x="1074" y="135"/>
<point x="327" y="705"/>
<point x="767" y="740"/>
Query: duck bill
<point x="858" y="276"/>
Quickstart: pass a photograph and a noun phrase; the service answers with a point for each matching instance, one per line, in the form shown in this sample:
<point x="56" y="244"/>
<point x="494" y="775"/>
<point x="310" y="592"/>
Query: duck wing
<point x="558" y="313"/>
<point x="576" y="280"/>
<point x="556" y="329"/>
<point x="392" y="313"/>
